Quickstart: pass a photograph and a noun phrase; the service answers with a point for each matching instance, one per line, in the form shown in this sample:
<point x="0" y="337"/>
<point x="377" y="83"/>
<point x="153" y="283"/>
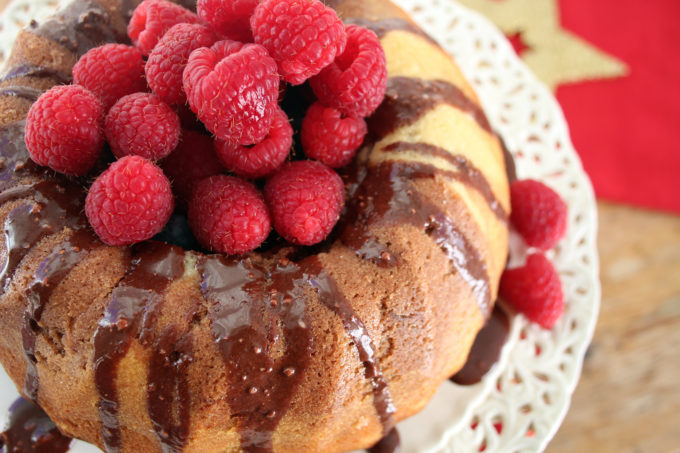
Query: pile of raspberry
<point x="192" y="118"/>
<point x="531" y="284"/>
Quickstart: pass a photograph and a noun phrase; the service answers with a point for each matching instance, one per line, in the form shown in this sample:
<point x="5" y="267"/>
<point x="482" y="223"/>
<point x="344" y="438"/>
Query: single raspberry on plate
<point x="328" y="137"/>
<point x="535" y="290"/>
<point x="166" y="63"/>
<point x="143" y="125"/>
<point x="111" y="72"/>
<point x="233" y="88"/>
<point x="64" y="129"/>
<point x="356" y="81"/>
<point x="302" y="36"/>
<point x="264" y="158"/>
<point x="305" y="198"/>
<point x="191" y="162"/>
<point x="229" y="215"/>
<point x="230" y="18"/>
<point x="152" y="18"/>
<point x="130" y="202"/>
<point x="538" y="213"/>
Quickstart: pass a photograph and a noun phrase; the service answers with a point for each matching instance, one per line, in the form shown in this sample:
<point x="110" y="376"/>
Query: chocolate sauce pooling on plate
<point x="391" y="443"/>
<point x="486" y="349"/>
<point x="31" y="431"/>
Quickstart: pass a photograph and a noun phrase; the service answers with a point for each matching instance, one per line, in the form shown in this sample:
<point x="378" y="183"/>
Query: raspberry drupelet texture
<point x="152" y="18"/>
<point x="64" y="129"/>
<point x="193" y="160"/>
<point x="305" y="199"/>
<point x="233" y="89"/>
<point x="261" y="159"/>
<point x="329" y="138"/>
<point x="228" y="215"/>
<point x="356" y="81"/>
<point x="130" y="202"/>
<point x="302" y="36"/>
<point x="538" y="213"/>
<point x="143" y="125"/>
<point x="111" y="72"/>
<point x="166" y="63"/>
<point x="534" y="290"/>
<point x="230" y="18"/>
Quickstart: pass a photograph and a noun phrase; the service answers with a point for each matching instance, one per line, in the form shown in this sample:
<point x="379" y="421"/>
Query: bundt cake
<point x="154" y="348"/>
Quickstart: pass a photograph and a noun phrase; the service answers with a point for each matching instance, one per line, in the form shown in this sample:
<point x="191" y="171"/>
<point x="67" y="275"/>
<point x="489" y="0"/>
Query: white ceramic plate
<point x="529" y="390"/>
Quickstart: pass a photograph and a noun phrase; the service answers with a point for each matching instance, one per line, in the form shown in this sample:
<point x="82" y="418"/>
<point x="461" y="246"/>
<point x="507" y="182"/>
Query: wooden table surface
<point x="628" y="399"/>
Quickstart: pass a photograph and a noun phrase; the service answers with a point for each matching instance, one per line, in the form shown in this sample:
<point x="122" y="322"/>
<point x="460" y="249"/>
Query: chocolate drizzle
<point x="53" y="206"/>
<point x="29" y="70"/>
<point x="391" y="443"/>
<point x="31" y="431"/>
<point x="79" y="27"/>
<point x="131" y="315"/>
<point x="387" y="197"/>
<point x="486" y="349"/>
<point x="383" y="26"/>
<point x="15" y="162"/>
<point x="23" y="92"/>
<point x="467" y="173"/>
<point x="408" y="99"/>
<point x="50" y="273"/>
<point x="249" y="302"/>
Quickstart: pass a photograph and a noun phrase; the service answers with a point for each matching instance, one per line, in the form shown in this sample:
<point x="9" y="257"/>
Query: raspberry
<point x="192" y="161"/>
<point x="262" y="159"/>
<point x="168" y="59"/>
<point x="152" y="18"/>
<point x="228" y="215"/>
<point x="329" y="138"/>
<point x="303" y="36"/>
<point x="64" y="129"/>
<point x="111" y="72"/>
<point x="143" y="125"/>
<point x="230" y="18"/>
<point x="538" y="213"/>
<point x="535" y="290"/>
<point x="305" y="198"/>
<point x="356" y="81"/>
<point x="233" y="87"/>
<point x="130" y="202"/>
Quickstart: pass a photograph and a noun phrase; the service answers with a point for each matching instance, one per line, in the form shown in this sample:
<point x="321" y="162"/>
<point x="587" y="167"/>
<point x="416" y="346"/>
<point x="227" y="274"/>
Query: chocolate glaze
<point x="486" y="349"/>
<point x="391" y="443"/>
<point x="387" y="197"/>
<point x="408" y="99"/>
<point x="79" y="27"/>
<point x="510" y="168"/>
<point x="169" y="401"/>
<point x="52" y="206"/>
<point x="31" y="431"/>
<point x="467" y="173"/>
<point x="383" y="26"/>
<point x="29" y="70"/>
<point x="50" y="273"/>
<point x="130" y="315"/>
<point x="24" y="92"/>
<point x="249" y="302"/>
<point x="15" y="162"/>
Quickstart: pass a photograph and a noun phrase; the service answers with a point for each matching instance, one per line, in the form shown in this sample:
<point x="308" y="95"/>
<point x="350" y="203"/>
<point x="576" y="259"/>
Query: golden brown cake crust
<point x="153" y="348"/>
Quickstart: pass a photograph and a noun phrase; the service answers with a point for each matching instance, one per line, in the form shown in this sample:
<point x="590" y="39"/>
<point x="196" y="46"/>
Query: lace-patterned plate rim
<point x="521" y="403"/>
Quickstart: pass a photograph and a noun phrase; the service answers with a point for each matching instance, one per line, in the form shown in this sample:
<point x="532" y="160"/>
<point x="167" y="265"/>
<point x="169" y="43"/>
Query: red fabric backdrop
<point x="627" y="129"/>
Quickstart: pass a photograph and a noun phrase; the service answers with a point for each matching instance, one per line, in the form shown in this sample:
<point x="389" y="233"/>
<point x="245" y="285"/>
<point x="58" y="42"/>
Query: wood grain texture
<point x="628" y="399"/>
